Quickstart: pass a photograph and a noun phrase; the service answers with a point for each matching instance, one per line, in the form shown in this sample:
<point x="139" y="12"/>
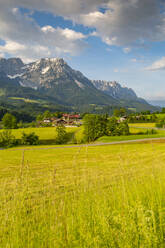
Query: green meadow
<point x="24" y="99"/>
<point x="106" y="196"/>
<point x="142" y="125"/>
<point x="137" y="131"/>
<point x="44" y="133"/>
<point x="48" y="134"/>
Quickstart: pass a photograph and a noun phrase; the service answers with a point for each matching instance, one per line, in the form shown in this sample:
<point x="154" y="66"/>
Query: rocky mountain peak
<point x="115" y="90"/>
<point x="48" y="72"/>
<point x="51" y="61"/>
<point x="11" y="66"/>
<point x="47" y="64"/>
<point x="53" y="78"/>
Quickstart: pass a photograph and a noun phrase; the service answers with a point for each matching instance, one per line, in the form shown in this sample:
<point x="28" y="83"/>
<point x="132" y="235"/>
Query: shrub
<point x="116" y="129"/>
<point x="122" y="129"/>
<point x="29" y="139"/>
<point x="7" y="139"/>
<point x="160" y="123"/>
<point x="9" y="121"/>
<point x="152" y="131"/>
<point x="94" y="126"/>
<point x="62" y="136"/>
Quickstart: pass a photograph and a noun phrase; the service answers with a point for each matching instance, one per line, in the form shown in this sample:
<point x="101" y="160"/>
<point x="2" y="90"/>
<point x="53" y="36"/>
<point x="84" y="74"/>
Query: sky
<point x="121" y="40"/>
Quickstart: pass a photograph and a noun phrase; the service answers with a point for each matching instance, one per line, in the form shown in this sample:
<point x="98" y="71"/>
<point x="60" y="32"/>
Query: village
<point x="66" y="120"/>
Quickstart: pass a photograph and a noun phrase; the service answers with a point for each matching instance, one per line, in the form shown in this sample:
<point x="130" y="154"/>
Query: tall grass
<point x="83" y="197"/>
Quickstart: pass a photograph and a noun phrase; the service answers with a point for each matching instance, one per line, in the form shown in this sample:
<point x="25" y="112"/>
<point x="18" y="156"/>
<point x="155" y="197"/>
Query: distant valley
<point x="160" y="103"/>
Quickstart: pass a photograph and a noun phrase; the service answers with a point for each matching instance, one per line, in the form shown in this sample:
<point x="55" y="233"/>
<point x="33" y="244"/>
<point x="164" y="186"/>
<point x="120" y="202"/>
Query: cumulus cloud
<point x="27" y="53"/>
<point x="67" y="8"/>
<point x="157" y="65"/>
<point x="124" y="23"/>
<point x="23" y="37"/>
<point x="128" y="22"/>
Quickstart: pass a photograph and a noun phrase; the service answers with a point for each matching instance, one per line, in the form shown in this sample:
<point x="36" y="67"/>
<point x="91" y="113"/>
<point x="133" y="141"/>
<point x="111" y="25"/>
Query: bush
<point x="161" y="123"/>
<point x="29" y="139"/>
<point x="116" y="129"/>
<point x="62" y="136"/>
<point x="94" y="126"/>
<point x="9" y="121"/>
<point x="7" y="139"/>
<point x="122" y="129"/>
<point x="152" y="131"/>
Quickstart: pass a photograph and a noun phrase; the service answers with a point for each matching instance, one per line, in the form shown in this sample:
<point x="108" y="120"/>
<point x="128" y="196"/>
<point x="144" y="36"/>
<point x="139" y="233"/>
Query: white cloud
<point x="157" y="65"/>
<point x="116" y="70"/>
<point x="24" y="38"/>
<point x="124" y="23"/>
<point x="12" y="46"/>
<point x="67" y="33"/>
<point x="67" y="8"/>
<point x="126" y="49"/>
<point x="27" y="53"/>
<point x="128" y="22"/>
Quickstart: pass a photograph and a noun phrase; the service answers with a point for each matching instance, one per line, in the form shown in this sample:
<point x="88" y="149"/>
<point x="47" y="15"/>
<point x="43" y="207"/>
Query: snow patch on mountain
<point x="115" y="90"/>
<point x="45" y="70"/>
<point x="15" y="76"/>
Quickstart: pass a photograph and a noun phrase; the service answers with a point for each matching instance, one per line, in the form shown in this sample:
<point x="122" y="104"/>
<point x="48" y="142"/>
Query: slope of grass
<point x="110" y="196"/>
<point x="25" y="99"/>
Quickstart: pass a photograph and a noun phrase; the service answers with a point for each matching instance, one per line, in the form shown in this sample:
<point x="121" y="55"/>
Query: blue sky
<point x="104" y="39"/>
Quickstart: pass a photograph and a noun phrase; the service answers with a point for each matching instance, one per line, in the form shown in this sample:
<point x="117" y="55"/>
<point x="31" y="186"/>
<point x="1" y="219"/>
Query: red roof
<point x="71" y="116"/>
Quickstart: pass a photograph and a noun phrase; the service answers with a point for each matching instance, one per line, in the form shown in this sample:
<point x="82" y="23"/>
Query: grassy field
<point x="48" y="134"/>
<point x="107" y="139"/>
<point x="134" y="130"/>
<point x="45" y="133"/>
<point x="160" y="116"/>
<point x="24" y="99"/>
<point x="134" y="135"/>
<point x="90" y="197"/>
<point x="141" y="125"/>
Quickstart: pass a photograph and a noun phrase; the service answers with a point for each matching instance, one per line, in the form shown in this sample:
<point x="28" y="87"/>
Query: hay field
<point x="108" y="196"/>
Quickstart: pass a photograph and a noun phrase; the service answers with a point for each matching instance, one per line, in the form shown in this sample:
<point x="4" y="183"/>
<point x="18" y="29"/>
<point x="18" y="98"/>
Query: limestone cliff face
<point x="114" y="89"/>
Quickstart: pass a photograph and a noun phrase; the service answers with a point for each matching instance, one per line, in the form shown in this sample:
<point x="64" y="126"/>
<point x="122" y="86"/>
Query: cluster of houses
<point x="122" y="119"/>
<point x="66" y="120"/>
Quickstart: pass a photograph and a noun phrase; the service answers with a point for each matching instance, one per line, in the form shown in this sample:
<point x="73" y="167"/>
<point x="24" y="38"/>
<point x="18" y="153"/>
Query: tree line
<point x="96" y="126"/>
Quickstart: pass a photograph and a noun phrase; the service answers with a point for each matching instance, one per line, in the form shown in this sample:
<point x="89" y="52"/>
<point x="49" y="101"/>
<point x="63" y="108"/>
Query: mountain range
<point x="52" y="80"/>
